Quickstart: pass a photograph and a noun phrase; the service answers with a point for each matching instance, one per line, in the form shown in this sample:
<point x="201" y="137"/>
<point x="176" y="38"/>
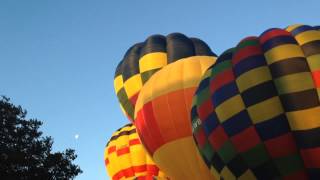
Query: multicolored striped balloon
<point x="162" y="118"/>
<point x="126" y="158"/>
<point x="256" y="112"/>
<point x="144" y="59"/>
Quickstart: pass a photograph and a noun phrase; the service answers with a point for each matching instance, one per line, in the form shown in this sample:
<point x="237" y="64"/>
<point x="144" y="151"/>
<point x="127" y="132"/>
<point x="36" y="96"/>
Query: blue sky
<point x="58" y="57"/>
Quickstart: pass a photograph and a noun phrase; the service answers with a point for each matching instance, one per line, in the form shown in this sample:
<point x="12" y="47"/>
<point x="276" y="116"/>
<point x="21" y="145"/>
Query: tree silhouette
<point x="25" y="154"/>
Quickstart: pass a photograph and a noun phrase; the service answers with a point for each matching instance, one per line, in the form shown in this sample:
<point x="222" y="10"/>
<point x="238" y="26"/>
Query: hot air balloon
<point x="162" y="112"/>
<point x="144" y="59"/>
<point x="256" y="112"/>
<point x="126" y="158"/>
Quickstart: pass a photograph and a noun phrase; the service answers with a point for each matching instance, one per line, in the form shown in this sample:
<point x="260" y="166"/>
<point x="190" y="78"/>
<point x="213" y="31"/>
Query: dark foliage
<point x="25" y="154"/>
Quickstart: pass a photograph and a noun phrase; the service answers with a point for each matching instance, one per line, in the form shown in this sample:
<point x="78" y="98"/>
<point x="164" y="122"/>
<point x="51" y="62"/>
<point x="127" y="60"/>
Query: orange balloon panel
<point x="162" y="118"/>
<point x="126" y="158"/>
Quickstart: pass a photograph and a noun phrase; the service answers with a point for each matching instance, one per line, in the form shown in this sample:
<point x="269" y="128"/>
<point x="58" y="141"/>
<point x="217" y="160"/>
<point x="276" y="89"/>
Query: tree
<point x="25" y="154"/>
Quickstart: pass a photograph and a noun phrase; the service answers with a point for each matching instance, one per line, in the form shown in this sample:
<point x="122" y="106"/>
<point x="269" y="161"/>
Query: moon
<point x="76" y="136"/>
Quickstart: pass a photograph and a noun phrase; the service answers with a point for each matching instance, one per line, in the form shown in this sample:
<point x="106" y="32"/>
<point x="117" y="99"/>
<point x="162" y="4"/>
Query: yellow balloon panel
<point x="188" y="157"/>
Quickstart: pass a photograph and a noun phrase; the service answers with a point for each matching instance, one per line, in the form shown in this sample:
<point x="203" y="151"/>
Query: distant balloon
<point x="144" y="59"/>
<point x="125" y="157"/>
<point x="76" y="136"/>
<point x="162" y="115"/>
<point x="256" y="112"/>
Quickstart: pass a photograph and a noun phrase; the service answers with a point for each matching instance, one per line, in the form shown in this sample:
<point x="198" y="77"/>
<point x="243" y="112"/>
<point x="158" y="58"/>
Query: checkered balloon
<point x="256" y="112"/>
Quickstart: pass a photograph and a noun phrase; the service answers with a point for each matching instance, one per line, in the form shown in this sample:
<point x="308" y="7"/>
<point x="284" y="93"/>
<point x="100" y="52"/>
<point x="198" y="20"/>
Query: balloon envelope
<point x="126" y="158"/>
<point x="144" y="59"/>
<point x="256" y="112"/>
<point x="162" y="118"/>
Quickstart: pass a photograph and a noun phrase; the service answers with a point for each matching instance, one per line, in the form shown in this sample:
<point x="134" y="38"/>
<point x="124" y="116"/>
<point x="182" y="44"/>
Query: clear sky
<point x="58" y="57"/>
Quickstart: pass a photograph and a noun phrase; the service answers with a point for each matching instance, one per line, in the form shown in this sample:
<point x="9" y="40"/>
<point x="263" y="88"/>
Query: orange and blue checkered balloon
<point x="256" y="112"/>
